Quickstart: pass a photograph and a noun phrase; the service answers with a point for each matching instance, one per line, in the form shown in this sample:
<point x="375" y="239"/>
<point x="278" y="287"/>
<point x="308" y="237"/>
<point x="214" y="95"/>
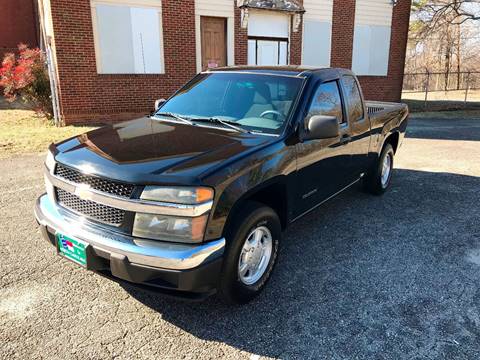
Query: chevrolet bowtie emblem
<point x="83" y="192"/>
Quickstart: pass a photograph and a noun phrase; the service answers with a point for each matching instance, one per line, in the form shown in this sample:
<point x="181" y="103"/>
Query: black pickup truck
<point x="192" y="200"/>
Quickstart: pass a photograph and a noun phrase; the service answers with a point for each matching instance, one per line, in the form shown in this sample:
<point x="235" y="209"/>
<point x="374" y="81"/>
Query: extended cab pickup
<point x="193" y="199"/>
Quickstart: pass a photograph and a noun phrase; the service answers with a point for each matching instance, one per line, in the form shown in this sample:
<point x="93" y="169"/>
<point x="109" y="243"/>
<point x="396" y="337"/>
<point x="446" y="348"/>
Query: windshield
<point x="254" y="102"/>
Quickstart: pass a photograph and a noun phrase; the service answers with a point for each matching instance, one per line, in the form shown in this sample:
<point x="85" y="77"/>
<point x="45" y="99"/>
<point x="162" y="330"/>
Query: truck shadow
<point x="362" y="275"/>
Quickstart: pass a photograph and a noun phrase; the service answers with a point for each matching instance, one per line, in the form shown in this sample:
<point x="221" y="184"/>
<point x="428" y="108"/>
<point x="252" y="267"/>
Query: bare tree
<point x="443" y="20"/>
<point x="435" y="14"/>
<point x="444" y="38"/>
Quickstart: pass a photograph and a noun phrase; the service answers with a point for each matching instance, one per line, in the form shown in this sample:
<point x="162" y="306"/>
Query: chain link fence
<point x="442" y="91"/>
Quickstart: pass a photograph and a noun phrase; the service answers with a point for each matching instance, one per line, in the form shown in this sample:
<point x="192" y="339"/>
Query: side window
<point x="327" y="101"/>
<point x="354" y="100"/>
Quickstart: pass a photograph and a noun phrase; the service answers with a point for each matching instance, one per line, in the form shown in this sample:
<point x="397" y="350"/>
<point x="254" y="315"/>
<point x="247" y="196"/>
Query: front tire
<point x="378" y="179"/>
<point x="251" y="253"/>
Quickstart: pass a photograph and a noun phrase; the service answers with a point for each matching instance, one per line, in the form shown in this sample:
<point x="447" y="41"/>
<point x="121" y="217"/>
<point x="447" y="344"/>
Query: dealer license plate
<point x="72" y="249"/>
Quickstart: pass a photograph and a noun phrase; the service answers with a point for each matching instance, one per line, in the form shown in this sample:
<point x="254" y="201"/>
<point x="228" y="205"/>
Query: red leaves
<point x="6" y="73"/>
<point x="26" y="76"/>
<point x="17" y="74"/>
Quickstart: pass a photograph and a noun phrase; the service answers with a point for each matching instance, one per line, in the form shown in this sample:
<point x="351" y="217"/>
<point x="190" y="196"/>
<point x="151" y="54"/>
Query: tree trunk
<point x="459" y="44"/>
<point x="448" y="52"/>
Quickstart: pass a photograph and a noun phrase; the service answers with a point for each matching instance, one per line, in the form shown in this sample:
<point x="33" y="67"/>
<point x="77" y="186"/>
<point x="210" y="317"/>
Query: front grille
<point x="99" y="184"/>
<point x="90" y="209"/>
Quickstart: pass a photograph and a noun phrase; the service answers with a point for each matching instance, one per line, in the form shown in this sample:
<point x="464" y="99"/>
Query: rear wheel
<point x="378" y="179"/>
<point x="251" y="253"/>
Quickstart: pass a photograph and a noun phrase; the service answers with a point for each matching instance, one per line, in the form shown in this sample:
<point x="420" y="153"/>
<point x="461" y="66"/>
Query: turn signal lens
<point x="204" y="194"/>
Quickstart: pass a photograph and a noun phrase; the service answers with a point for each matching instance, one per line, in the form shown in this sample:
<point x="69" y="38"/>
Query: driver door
<point x="323" y="164"/>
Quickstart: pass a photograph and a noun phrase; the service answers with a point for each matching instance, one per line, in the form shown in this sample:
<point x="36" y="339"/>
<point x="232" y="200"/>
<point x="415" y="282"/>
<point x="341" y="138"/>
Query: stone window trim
<point x="289" y="6"/>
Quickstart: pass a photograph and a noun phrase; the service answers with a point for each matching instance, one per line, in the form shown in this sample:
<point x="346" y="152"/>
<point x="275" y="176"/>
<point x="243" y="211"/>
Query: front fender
<point x="240" y="181"/>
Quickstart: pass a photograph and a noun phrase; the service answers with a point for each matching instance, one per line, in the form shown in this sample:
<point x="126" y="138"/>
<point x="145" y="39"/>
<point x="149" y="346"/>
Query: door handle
<point x="345" y="139"/>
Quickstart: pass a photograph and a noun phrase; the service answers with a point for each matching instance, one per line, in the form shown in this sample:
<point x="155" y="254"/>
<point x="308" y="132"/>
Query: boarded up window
<point x="129" y="39"/>
<point x="317" y="32"/>
<point x="371" y="40"/>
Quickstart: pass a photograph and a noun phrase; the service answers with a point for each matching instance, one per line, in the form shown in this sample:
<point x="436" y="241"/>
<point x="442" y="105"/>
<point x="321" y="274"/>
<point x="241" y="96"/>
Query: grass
<point x="23" y="132"/>
<point x="450" y="95"/>
<point x="458" y="114"/>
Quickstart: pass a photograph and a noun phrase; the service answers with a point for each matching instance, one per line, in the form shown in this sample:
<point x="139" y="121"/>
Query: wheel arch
<point x="393" y="139"/>
<point x="272" y="193"/>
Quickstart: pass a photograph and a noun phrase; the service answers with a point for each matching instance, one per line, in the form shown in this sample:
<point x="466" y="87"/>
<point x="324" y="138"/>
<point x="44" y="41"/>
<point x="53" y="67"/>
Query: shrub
<point x="26" y="76"/>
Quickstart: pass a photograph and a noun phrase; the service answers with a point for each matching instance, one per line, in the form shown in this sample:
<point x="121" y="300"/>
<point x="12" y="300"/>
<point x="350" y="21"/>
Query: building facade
<point x="18" y="24"/>
<point x="113" y="58"/>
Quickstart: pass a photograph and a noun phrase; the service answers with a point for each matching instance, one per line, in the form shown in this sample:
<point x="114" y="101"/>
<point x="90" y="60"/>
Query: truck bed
<point x="376" y="107"/>
<point x="381" y="113"/>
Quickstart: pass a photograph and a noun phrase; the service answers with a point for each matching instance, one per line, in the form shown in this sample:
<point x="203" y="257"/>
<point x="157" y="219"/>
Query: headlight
<point x="178" y="195"/>
<point x="50" y="161"/>
<point x="170" y="228"/>
<point x="173" y="228"/>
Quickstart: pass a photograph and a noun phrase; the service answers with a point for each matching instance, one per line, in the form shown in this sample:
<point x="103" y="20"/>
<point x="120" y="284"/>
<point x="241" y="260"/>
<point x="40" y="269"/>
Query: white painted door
<point x="267" y="52"/>
<point x="268" y="35"/>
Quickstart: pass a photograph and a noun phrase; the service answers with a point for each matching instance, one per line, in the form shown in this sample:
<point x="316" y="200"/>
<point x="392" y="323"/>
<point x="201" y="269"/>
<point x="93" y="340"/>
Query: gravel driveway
<point x="363" y="277"/>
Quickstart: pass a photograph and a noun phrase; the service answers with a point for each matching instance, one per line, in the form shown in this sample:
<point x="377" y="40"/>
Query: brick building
<point x="18" y="24"/>
<point x="113" y="58"/>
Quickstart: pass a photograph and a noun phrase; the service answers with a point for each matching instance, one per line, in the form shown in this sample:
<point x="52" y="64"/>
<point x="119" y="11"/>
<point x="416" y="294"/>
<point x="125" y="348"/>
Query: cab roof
<point x="288" y="70"/>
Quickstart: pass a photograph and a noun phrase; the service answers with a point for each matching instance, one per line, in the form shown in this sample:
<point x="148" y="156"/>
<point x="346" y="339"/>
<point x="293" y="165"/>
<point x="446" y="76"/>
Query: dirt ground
<point x="442" y="100"/>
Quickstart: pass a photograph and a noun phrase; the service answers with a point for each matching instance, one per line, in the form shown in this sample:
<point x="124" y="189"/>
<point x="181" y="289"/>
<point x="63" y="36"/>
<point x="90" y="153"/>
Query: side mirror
<point x="159" y="103"/>
<point x="321" y="127"/>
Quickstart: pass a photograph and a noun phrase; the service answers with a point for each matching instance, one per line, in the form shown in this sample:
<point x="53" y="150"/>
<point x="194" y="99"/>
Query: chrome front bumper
<point x="144" y="252"/>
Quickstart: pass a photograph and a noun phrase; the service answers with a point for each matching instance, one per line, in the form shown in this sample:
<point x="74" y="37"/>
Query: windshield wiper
<point x="215" y="120"/>
<point x="175" y="116"/>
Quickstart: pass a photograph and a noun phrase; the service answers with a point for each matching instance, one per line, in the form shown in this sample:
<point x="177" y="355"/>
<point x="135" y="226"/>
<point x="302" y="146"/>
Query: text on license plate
<point x="72" y="249"/>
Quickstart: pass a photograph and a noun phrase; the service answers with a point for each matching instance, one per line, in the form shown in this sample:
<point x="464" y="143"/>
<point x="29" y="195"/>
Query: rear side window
<point x="327" y="101"/>
<point x="354" y="100"/>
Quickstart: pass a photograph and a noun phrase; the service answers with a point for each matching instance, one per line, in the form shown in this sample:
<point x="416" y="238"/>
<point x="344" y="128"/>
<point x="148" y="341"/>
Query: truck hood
<point x="155" y="151"/>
